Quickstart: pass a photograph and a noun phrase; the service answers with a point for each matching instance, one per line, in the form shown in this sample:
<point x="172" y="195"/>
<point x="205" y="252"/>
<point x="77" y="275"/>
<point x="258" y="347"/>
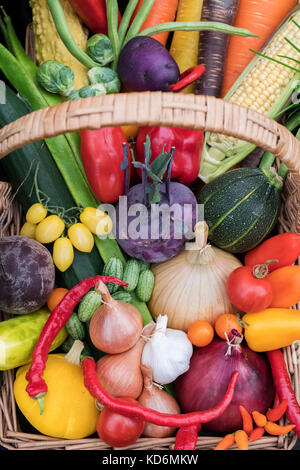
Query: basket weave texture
<point x="165" y="109"/>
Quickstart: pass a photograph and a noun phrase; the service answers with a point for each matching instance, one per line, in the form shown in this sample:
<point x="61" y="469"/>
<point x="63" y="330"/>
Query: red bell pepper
<point x="187" y="142"/>
<point x="102" y="155"/>
<point x="93" y="14"/>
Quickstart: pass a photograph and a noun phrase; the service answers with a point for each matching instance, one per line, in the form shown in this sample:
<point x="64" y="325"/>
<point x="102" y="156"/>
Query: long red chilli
<point x="92" y="383"/>
<point x="186" y="437"/>
<point x="284" y="388"/>
<point x="59" y="316"/>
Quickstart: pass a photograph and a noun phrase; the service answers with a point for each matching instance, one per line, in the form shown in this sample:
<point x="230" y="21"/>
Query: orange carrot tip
<point x="225" y="443"/>
<point x="256" y="434"/>
<point x="241" y="439"/>
<point x="277" y="430"/>
<point x="276" y="413"/>
<point x="259" y="419"/>
<point x="247" y="420"/>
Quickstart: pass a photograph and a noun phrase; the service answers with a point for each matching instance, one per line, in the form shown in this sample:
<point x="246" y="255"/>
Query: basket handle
<point x="152" y="109"/>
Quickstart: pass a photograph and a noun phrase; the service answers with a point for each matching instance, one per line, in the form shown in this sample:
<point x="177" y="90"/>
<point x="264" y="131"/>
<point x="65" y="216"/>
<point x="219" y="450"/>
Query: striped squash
<point x="241" y="207"/>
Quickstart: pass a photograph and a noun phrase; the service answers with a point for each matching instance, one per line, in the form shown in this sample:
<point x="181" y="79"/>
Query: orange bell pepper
<point x="286" y="286"/>
<point x="272" y="328"/>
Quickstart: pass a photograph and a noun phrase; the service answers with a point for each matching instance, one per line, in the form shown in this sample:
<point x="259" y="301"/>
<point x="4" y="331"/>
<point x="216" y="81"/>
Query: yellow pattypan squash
<point x="69" y="410"/>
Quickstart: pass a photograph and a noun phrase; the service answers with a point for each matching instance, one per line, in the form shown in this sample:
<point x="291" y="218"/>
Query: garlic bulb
<point x="167" y="352"/>
<point x="192" y="285"/>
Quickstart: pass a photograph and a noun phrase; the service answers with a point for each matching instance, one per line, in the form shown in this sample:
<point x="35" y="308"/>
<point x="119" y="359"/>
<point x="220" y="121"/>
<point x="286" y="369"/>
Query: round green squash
<point x="241" y="207"/>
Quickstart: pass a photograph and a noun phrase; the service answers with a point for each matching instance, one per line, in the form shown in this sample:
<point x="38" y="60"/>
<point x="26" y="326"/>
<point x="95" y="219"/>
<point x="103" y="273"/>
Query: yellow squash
<point x="48" y="44"/>
<point x="69" y="410"/>
<point x="273" y="328"/>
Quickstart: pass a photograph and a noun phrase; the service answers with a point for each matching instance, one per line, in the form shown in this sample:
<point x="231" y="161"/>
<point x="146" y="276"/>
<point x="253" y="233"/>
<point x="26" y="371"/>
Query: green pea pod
<point x="18" y="337"/>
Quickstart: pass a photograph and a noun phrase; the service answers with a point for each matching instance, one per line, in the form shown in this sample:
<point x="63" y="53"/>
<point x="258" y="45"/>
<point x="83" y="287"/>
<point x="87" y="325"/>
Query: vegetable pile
<point x="120" y="325"/>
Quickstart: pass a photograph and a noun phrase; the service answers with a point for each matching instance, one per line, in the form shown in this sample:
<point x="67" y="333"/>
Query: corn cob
<point x="265" y="86"/>
<point x="49" y="46"/>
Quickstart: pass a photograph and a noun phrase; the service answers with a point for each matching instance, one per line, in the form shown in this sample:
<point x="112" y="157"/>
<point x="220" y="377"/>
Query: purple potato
<point x="155" y="242"/>
<point x="27" y="275"/>
<point x="146" y="65"/>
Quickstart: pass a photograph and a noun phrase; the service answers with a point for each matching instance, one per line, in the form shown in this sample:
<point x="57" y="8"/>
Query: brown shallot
<point x="155" y="398"/>
<point x="115" y="326"/>
<point x="120" y="374"/>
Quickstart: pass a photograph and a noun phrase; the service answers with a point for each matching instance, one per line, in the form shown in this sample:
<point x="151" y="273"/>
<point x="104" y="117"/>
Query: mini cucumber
<point x="143" y="265"/>
<point x="113" y="268"/>
<point x="88" y="305"/>
<point x="75" y="327"/>
<point x="131" y="274"/>
<point x="145" y="285"/>
<point x="67" y="345"/>
<point x="123" y="296"/>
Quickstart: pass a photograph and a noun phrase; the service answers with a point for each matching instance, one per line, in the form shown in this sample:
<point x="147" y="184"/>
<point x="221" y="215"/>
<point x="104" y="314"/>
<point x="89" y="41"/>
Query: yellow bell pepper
<point x="69" y="410"/>
<point x="270" y="329"/>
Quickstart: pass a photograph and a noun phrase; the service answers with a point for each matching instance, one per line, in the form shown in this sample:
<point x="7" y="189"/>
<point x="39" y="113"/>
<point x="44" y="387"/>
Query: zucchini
<point x="88" y="305"/>
<point x="20" y="168"/>
<point x="241" y="207"/>
<point x="145" y="285"/>
<point x="113" y="268"/>
<point x="131" y="274"/>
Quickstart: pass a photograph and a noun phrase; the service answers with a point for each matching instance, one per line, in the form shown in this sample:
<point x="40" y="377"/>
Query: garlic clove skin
<point x="167" y="352"/>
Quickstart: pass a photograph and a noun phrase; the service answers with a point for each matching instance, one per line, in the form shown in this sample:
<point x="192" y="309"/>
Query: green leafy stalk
<point x="112" y="21"/>
<point x="65" y="35"/>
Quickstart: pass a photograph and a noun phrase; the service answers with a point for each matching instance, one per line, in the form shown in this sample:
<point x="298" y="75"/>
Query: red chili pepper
<point x="284" y="388"/>
<point x="37" y="386"/>
<point x="248" y="290"/>
<point x="188" y="144"/>
<point x="187" y="77"/>
<point x="285" y="248"/>
<point x="102" y="155"/>
<point x="93" y="14"/>
<point x="93" y="385"/>
<point x="275" y="414"/>
<point x="186" y="437"/>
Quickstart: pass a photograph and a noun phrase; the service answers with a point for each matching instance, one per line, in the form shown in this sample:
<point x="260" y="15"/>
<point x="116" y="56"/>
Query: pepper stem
<point x="262" y="270"/>
<point x="41" y="401"/>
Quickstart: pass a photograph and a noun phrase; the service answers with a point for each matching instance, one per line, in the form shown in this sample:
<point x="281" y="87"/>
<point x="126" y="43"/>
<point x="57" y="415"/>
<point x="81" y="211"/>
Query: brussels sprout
<point x="56" y="77"/>
<point x="108" y="77"/>
<point x="99" y="48"/>
<point x="87" y="91"/>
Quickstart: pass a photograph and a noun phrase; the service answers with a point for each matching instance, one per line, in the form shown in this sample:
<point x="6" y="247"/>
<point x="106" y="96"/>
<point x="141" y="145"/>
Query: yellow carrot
<point x="184" y="45"/>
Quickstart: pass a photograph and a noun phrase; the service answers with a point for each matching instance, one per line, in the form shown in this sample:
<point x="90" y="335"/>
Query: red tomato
<point x="247" y="292"/>
<point x="102" y="155"/>
<point x="117" y="430"/>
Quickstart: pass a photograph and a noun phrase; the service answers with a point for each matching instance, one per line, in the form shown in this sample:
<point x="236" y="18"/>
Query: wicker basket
<point x="166" y="109"/>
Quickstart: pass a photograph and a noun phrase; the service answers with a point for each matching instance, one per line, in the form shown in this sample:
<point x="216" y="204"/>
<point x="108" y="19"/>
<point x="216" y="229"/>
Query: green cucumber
<point x="113" y="268"/>
<point x="123" y="296"/>
<point x="241" y="207"/>
<point x="75" y="327"/>
<point x="20" y="168"/>
<point x="19" y="335"/>
<point x="88" y="305"/>
<point x="143" y="265"/>
<point x="131" y="274"/>
<point x="145" y="285"/>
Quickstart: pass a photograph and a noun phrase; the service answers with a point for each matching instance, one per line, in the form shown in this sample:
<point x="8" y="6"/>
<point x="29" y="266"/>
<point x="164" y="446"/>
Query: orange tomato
<point x="200" y="333"/>
<point x="225" y="323"/>
<point x="56" y="296"/>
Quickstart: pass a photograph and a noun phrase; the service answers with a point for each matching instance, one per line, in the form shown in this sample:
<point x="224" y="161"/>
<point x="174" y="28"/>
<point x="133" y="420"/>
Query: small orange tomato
<point x="200" y="333"/>
<point x="225" y="323"/>
<point x="56" y="296"/>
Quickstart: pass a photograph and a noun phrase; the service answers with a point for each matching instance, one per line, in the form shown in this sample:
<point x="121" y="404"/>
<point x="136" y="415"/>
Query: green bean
<point x="138" y="21"/>
<point x="112" y="10"/>
<point x="65" y="35"/>
<point x="127" y="15"/>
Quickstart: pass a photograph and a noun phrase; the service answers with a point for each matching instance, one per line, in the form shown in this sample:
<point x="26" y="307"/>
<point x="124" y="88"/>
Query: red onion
<point x="211" y="367"/>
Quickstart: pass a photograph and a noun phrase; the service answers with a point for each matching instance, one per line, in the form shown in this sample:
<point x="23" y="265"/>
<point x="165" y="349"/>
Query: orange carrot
<point x="257" y="433"/>
<point x="247" y="420"/>
<point x="261" y="17"/>
<point x="259" y="419"/>
<point x="276" y="413"/>
<point x="225" y="443"/>
<point x="162" y="11"/>
<point x="276" y="430"/>
<point x="241" y="439"/>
